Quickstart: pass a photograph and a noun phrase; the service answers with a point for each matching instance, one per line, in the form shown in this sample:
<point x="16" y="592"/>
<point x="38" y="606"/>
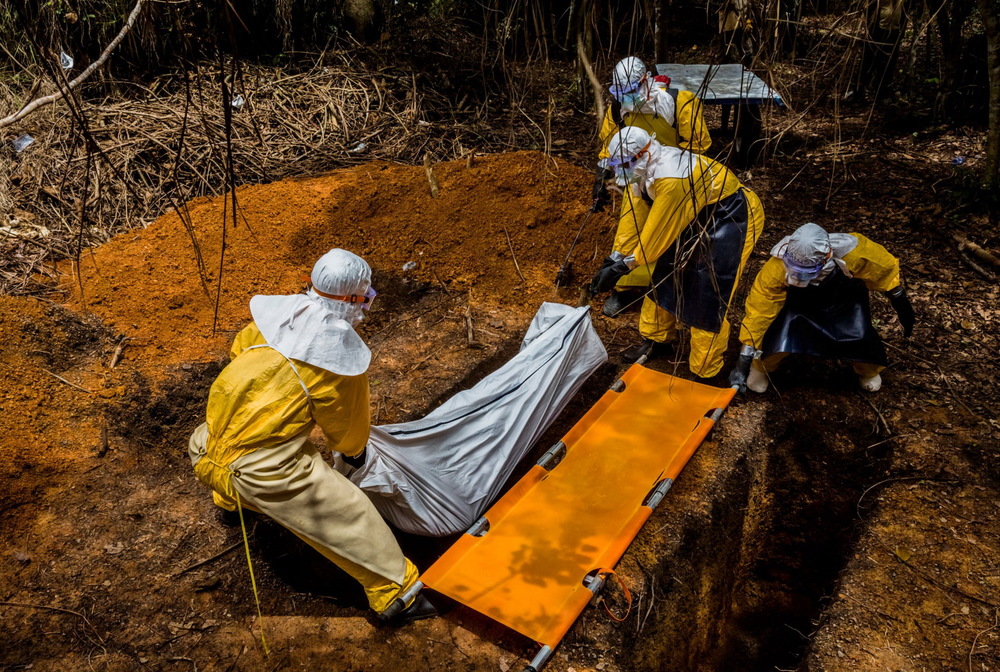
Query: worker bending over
<point x="811" y="297"/>
<point x="673" y="117"/>
<point x="298" y="364"/>
<point x="690" y="218"/>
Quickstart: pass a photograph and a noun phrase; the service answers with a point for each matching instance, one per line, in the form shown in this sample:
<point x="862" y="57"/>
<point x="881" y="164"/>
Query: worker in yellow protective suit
<point x="298" y="365"/>
<point x="672" y="117"/>
<point x="641" y="99"/>
<point x="811" y="297"/>
<point x="691" y="219"/>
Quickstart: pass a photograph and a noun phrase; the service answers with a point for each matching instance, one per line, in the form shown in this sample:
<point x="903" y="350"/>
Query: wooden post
<point x="430" y="175"/>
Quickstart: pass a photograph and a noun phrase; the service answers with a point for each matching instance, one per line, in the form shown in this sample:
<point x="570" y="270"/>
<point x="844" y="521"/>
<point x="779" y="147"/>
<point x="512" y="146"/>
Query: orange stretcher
<point x="543" y="551"/>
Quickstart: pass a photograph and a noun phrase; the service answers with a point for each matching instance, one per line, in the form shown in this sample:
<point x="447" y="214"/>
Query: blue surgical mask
<point x="629" y="94"/>
<point x="633" y="101"/>
<point x="624" y="176"/>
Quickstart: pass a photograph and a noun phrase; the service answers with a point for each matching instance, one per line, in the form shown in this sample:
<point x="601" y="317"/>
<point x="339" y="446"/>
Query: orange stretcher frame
<point x="538" y="556"/>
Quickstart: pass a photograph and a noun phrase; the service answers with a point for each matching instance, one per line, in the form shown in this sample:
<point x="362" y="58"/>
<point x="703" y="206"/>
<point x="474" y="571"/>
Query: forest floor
<point x="819" y="528"/>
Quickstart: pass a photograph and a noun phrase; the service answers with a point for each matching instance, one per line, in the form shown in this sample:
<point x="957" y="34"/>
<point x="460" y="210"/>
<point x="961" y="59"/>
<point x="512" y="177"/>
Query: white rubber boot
<point x="757" y="380"/>
<point x="871" y="383"/>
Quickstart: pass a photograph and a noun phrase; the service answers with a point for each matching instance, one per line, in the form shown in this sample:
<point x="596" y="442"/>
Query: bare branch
<point x="594" y="82"/>
<point x="45" y="100"/>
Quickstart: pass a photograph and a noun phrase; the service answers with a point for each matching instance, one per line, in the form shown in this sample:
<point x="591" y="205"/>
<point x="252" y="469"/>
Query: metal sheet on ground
<point x="553" y="528"/>
<point x="728" y="84"/>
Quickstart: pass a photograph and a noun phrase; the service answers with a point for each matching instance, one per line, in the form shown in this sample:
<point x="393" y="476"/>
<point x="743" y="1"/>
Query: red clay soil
<point x="115" y="560"/>
<point x="48" y="424"/>
<point x="100" y="509"/>
<point x="146" y="285"/>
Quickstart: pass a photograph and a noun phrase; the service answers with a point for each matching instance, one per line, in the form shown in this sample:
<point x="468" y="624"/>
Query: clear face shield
<point x="800" y="275"/>
<point x="631" y="95"/>
<point x="368" y="299"/>
<point x="624" y="167"/>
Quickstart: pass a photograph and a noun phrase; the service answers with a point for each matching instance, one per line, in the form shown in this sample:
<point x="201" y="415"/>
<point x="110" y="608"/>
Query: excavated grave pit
<point x="736" y="568"/>
<point x="730" y="573"/>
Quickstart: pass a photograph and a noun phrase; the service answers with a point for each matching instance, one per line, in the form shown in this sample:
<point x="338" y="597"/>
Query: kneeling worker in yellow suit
<point x="297" y="365"/>
<point x="690" y="218"/>
<point x="811" y="297"/>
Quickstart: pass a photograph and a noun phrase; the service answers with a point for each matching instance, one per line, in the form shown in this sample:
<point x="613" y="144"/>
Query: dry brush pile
<point x="97" y="167"/>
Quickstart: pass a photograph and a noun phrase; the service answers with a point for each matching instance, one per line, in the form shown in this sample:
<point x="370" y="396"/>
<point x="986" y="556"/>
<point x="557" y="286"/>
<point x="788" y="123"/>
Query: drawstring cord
<point x="239" y="503"/>
<point x="253" y="580"/>
<point x="628" y="594"/>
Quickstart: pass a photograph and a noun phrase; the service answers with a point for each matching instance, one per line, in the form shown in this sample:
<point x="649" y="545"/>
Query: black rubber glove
<point x="904" y="309"/>
<point x="358" y="460"/>
<point x="738" y="376"/>
<point x="600" y="193"/>
<point x="607" y="277"/>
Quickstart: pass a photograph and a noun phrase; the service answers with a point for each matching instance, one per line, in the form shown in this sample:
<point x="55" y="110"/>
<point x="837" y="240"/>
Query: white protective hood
<point x="317" y="330"/>
<point x="665" y="161"/>
<point x="810" y="240"/>
<point x="660" y="103"/>
<point x="303" y="328"/>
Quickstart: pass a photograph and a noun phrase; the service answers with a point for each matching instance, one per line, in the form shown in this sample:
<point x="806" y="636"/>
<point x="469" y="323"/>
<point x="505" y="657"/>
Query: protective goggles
<point x="365" y="301"/>
<point x="625" y="163"/>
<point x="803" y="272"/>
<point x="620" y="91"/>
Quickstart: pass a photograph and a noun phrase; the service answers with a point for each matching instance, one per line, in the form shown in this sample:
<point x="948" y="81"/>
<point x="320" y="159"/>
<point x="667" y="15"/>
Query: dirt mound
<point x="147" y="284"/>
<point x="49" y="424"/>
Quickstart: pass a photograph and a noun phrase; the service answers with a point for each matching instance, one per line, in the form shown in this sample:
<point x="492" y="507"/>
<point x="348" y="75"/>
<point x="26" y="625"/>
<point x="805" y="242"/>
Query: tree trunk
<point x="951" y="20"/>
<point x="362" y="19"/>
<point x="990" y="11"/>
<point x="661" y="12"/>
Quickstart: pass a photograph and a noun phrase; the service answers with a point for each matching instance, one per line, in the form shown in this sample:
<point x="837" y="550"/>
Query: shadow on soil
<point x="746" y="591"/>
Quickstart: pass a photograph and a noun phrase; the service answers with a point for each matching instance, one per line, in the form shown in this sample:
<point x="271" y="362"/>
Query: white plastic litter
<point x="238" y="101"/>
<point x="22" y="143"/>
<point x="65" y="60"/>
<point x="409" y="266"/>
<point x="437" y="475"/>
<point x="360" y="147"/>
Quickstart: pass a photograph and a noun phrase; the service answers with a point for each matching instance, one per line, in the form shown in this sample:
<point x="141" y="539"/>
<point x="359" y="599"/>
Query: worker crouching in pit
<point x="811" y="298"/>
<point x="696" y="225"/>
<point x="297" y="365"/>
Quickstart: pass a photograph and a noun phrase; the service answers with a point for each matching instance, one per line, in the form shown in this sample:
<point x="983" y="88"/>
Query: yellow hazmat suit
<point x="868" y="262"/>
<point x="688" y="131"/>
<point x="647" y="232"/>
<point x="255" y="446"/>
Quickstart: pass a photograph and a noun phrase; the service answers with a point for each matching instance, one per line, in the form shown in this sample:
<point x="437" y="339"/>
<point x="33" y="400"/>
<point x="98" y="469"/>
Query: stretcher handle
<point x="551" y="455"/>
<point x="400" y="602"/>
<point x="540" y="659"/>
<point x="658" y="492"/>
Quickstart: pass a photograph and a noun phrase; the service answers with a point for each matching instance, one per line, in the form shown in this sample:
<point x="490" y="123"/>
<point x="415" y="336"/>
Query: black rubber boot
<point x="418" y="610"/>
<point x="652" y="349"/>
<point x="229" y="518"/>
<point x="622" y="301"/>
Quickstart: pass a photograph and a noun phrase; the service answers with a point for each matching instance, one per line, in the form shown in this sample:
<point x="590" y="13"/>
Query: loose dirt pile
<point x="497" y="230"/>
<point x="105" y="520"/>
<point x="50" y="426"/>
<point x="869" y="518"/>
